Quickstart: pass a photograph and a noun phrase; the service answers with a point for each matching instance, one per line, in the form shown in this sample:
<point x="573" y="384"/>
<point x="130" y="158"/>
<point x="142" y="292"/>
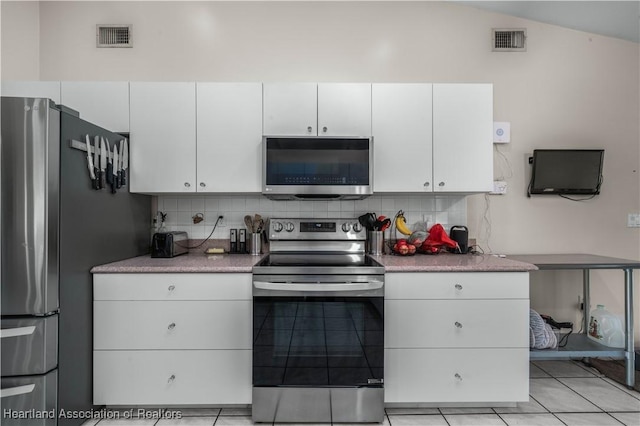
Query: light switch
<point x="633" y="220"/>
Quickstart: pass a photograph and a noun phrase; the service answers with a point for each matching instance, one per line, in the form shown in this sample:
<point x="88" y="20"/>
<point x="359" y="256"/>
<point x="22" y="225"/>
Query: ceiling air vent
<point x="509" y="40"/>
<point x="113" y="36"/>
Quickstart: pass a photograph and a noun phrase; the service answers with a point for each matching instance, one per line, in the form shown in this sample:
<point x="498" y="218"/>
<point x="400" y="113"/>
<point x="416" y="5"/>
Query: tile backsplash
<point x="447" y="210"/>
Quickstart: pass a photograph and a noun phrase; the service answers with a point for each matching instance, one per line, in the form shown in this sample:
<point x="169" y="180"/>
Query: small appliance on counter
<point x="169" y="244"/>
<point x="460" y="234"/>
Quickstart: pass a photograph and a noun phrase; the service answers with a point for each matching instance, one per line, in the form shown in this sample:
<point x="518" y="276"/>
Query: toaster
<point x="169" y="244"/>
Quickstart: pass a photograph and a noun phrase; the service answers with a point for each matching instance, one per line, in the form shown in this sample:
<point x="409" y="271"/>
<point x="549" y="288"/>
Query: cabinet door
<point x="104" y="103"/>
<point x="32" y="89"/>
<point x="463" y="137"/>
<point x="229" y="135"/>
<point x="401" y="127"/>
<point x="456" y="323"/>
<point x="193" y="324"/>
<point x="344" y="109"/>
<point x="456" y="375"/>
<point x="290" y="109"/>
<point x="171" y="377"/>
<point x="163" y="137"/>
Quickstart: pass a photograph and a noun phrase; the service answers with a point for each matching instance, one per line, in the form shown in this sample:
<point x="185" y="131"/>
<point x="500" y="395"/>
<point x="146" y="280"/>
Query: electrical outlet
<point x="633" y="220"/>
<point x="222" y="223"/>
<point x="499" y="187"/>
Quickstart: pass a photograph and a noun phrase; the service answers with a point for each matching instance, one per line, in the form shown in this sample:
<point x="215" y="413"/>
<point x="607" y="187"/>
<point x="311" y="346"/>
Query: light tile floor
<point x="563" y="393"/>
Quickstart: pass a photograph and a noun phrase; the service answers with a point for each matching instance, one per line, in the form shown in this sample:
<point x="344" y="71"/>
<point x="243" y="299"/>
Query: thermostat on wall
<point x="501" y="132"/>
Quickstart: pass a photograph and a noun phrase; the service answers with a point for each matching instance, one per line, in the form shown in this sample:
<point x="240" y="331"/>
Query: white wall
<point x="570" y="89"/>
<point x="20" y="40"/>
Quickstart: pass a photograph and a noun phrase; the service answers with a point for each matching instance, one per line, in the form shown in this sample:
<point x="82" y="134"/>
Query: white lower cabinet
<point x="172" y="377"/>
<point x="456" y="375"/>
<point x="456" y="337"/>
<point x="172" y="339"/>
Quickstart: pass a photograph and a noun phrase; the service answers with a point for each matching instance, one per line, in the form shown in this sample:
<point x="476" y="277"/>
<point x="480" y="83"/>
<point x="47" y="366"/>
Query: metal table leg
<point x="587" y="298"/>
<point x="628" y="319"/>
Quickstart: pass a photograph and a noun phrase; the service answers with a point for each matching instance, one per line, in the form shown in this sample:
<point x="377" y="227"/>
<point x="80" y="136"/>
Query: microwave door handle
<point x="18" y="390"/>
<point x="15" y="332"/>
<point x="319" y="286"/>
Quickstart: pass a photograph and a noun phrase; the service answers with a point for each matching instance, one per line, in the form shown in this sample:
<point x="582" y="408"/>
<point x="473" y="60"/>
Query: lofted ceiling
<point x="619" y="19"/>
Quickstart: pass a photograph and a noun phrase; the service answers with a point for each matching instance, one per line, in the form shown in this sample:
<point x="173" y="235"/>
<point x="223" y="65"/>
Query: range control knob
<point x="277" y="226"/>
<point x="346" y="227"/>
<point x="357" y="227"/>
<point x="288" y="227"/>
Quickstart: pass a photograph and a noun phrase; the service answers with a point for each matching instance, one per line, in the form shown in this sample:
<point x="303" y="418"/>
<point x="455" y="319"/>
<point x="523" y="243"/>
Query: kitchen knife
<point x="119" y="174"/>
<point x="114" y="169"/>
<point x="90" y="166"/>
<point x="96" y="162"/>
<point x="109" y="163"/>
<point x="104" y="157"/>
<point x="125" y="161"/>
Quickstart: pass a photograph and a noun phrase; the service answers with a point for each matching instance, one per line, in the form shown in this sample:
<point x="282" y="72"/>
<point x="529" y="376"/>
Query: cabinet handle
<point x="171" y="378"/>
<point x="172" y="287"/>
<point x="187" y="185"/>
<point x="324" y="129"/>
<point x="441" y="184"/>
<point x="457" y="324"/>
<point x="202" y="184"/>
<point x="426" y="184"/>
<point x="458" y="376"/>
<point x="458" y="287"/>
<point x="309" y="129"/>
<point x="171" y="326"/>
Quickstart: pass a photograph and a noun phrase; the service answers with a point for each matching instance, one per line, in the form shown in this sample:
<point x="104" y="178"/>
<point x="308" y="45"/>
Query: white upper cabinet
<point x="309" y="109"/>
<point x="433" y="138"/>
<point x="32" y="89"/>
<point x="463" y="137"/>
<point x="401" y="125"/>
<point x="290" y="109"/>
<point x="104" y="103"/>
<point x="163" y="137"/>
<point x="344" y="109"/>
<point x="229" y="136"/>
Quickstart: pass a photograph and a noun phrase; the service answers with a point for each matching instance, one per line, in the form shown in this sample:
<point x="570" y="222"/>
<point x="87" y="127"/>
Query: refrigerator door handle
<point x="15" y="332"/>
<point x="18" y="390"/>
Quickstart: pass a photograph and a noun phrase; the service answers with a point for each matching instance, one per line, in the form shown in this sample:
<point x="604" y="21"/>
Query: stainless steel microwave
<point x="316" y="168"/>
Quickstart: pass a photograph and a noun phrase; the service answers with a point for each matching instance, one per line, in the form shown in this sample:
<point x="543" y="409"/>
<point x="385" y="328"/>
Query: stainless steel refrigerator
<point x="55" y="227"/>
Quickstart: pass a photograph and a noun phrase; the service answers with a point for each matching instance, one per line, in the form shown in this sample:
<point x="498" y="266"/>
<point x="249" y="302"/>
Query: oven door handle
<point x="319" y="286"/>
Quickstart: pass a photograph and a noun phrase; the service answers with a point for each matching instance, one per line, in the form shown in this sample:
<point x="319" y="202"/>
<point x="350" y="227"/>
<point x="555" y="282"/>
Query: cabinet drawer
<point x="456" y="323"/>
<point x="456" y="375"/>
<point x="172" y="325"/>
<point x="171" y="377"/>
<point x="172" y="286"/>
<point x="457" y="285"/>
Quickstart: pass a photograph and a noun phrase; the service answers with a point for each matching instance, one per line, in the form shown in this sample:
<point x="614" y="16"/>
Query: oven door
<point x="315" y="332"/>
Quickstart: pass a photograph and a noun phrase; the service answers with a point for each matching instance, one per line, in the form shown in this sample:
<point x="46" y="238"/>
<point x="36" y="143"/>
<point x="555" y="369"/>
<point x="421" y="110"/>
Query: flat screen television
<point x="566" y="171"/>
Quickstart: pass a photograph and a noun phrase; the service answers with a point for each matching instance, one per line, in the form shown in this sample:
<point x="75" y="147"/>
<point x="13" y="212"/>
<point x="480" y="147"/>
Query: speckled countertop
<point x="191" y="262"/>
<point x="199" y="262"/>
<point x="445" y="262"/>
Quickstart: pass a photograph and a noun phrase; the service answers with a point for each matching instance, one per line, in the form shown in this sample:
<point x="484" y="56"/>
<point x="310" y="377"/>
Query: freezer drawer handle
<point x="18" y="390"/>
<point x="15" y="332"/>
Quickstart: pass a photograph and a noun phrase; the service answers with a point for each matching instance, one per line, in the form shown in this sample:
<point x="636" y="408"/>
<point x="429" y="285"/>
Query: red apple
<point x="412" y="248"/>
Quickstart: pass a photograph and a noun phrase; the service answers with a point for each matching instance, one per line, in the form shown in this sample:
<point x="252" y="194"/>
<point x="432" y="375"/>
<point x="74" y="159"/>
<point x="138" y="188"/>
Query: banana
<point x="401" y="225"/>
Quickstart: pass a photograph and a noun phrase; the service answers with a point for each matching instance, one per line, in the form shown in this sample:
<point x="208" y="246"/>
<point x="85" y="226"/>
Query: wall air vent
<point x="113" y="35"/>
<point x="509" y="40"/>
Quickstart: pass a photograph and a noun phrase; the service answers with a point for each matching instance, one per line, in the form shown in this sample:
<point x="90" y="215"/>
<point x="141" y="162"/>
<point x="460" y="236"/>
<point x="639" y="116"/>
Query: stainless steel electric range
<point x="318" y="336"/>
